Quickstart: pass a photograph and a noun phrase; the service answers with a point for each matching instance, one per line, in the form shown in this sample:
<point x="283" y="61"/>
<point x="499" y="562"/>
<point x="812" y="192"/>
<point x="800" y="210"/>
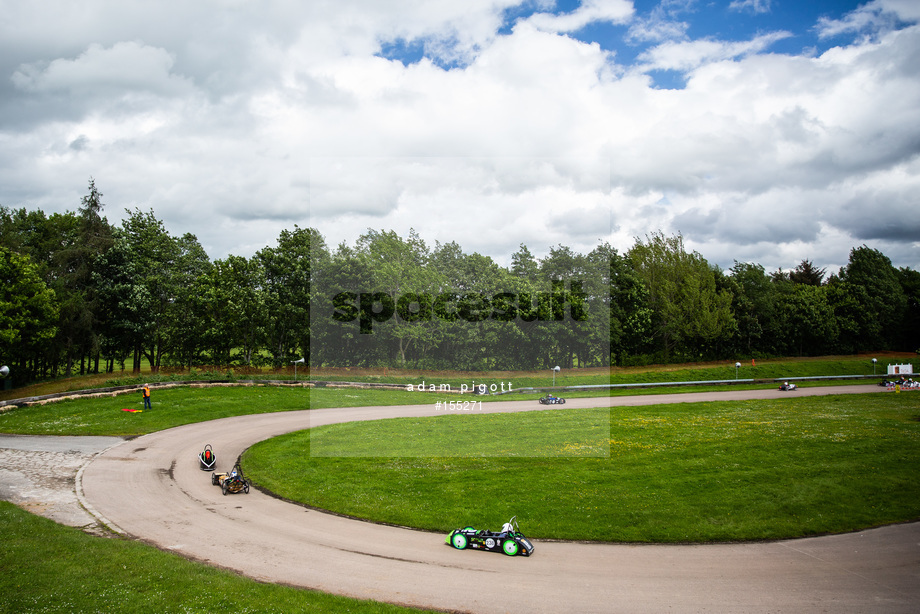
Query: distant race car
<point x="207" y="459"/>
<point x="788" y="386"/>
<point x="232" y="482"/>
<point x="552" y="400"/>
<point x="509" y="540"/>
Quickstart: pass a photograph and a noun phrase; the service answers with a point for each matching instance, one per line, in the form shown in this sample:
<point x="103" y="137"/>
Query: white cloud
<point x="489" y="205"/>
<point x="588" y="12"/>
<point x="684" y="56"/>
<point x="908" y="10"/>
<point x="286" y="115"/>
<point x="754" y="6"/>
<point x="656" y="30"/>
<point x="124" y="67"/>
<point x="663" y="22"/>
<point x="871" y="18"/>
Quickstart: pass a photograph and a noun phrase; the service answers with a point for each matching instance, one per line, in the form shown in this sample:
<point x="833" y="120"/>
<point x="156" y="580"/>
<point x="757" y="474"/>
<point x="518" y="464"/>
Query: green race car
<point x="509" y="540"/>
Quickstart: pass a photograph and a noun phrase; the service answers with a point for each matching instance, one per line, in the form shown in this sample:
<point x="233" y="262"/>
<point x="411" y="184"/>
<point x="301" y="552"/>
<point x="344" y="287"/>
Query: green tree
<point x="873" y="282"/>
<point x="86" y="239"/>
<point x="846" y="301"/>
<point x="689" y="311"/>
<point x="525" y="345"/>
<point x="28" y="313"/>
<point x="523" y="264"/>
<point x="234" y="299"/>
<point x="754" y="308"/>
<point x="32" y="234"/>
<point x="910" y="330"/>
<point x="631" y="316"/>
<point x="115" y="277"/>
<point x="153" y="290"/>
<point x="333" y="341"/>
<point x="286" y="270"/>
<point x="564" y="275"/>
<point x="400" y="269"/>
<point x="187" y="323"/>
<point x="807" y="273"/>
<point x="810" y="327"/>
<point x="483" y="342"/>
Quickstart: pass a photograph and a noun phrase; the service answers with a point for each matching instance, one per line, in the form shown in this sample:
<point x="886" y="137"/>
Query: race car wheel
<point x="458" y="541"/>
<point x="510" y="547"/>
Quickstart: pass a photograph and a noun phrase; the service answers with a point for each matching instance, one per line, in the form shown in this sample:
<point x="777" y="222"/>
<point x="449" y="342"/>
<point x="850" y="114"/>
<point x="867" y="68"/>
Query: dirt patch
<point x="39" y="475"/>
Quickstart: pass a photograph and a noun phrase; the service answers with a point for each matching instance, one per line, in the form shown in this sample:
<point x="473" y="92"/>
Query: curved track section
<point x="151" y="488"/>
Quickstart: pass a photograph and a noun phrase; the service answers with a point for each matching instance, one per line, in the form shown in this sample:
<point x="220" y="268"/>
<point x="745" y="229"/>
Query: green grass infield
<point x="702" y="472"/>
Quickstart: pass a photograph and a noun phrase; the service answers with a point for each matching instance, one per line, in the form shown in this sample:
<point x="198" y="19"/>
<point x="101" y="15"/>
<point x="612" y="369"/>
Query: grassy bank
<point x="766" y="369"/>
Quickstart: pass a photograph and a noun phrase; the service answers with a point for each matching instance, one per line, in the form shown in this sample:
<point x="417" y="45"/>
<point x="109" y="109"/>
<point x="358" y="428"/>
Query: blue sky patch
<point x="657" y="22"/>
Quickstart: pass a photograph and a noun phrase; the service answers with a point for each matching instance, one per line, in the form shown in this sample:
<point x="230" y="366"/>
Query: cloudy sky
<point x="766" y="131"/>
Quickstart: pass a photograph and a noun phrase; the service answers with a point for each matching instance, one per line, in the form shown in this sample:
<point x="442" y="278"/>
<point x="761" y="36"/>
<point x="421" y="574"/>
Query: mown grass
<point x="46" y="567"/>
<point x="702" y="472"/>
<point x="572" y="433"/>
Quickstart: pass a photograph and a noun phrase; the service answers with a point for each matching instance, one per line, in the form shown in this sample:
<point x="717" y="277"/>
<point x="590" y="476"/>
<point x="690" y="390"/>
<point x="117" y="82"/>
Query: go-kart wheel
<point x="458" y="541"/>
<point x="246" y="488"/>
<point x="213" y="479"/>
<point x="225" y="487"/>
<point x="562" y="401"/>
<point x="510" y="547"/>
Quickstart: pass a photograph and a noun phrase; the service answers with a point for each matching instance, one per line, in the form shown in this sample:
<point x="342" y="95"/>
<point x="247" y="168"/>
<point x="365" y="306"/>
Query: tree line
<point x="82" y="295"/>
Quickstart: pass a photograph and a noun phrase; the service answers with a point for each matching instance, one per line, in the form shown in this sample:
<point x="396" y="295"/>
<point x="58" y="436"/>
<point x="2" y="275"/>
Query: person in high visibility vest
<point x="146" y="395"/>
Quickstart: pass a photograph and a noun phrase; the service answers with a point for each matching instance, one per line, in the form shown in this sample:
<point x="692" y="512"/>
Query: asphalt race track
<point x="152" y="489"/>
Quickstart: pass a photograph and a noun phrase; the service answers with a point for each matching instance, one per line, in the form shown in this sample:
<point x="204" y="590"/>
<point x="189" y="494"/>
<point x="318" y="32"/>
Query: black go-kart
<point x="509" y="540"/>
<point x="207" y="459"/>
<point x="231" y="483"/>
<point x="552" y="400"/>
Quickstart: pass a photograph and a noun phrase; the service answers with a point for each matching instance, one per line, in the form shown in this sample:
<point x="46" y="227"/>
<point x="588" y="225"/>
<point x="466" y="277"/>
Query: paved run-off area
<point x="38" y="473"/>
